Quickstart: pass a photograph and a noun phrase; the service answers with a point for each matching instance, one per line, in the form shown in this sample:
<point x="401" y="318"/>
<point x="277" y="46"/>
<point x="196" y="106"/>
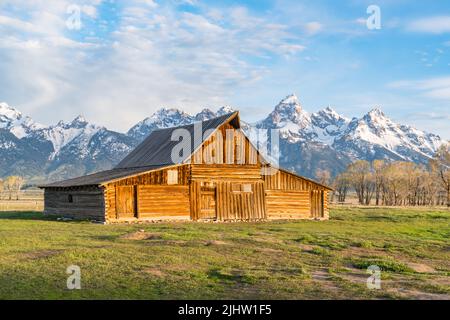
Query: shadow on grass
<point x="26" y="215"/>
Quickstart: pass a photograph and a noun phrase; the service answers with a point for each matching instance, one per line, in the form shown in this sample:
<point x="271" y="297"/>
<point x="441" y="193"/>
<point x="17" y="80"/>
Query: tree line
<point x="11" y="186"/>
<point x="395" y="183"/>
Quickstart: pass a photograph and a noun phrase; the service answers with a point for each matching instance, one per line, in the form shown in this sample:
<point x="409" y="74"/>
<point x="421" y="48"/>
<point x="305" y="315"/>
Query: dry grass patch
<point x="141" y="235"/>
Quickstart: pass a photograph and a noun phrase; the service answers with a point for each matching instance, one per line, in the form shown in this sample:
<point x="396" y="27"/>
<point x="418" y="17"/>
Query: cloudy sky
<point x="122" y="60"/>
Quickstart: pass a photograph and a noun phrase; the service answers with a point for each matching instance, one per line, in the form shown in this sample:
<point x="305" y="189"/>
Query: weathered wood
<point x="87" y="203"/>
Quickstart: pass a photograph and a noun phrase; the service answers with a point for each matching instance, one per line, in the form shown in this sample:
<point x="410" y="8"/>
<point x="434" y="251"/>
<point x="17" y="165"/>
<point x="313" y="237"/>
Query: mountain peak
<point x="289" y="109"/>
<point x="376" y="112"/>
<point x="225" y="110"/>
<point x="331" y="113"/>
<point x="9" y="113"/>
<point x="290" y="99"/>
<point x="79" y="119"/>
<point x="328" y="116"/>
<point x="205" y="114"/>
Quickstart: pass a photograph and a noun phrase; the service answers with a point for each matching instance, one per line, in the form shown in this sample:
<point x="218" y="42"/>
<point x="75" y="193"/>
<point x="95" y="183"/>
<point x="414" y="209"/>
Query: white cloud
<point x="313" y="27"/>
<point x="435" y="25"/>
<point x="154" y="56"/>
<point x="89" y="10"/>
<point x="436" y="88"/>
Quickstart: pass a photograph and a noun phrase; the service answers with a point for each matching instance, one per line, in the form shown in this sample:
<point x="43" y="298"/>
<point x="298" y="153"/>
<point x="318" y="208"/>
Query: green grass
<point x="273" y="260"/>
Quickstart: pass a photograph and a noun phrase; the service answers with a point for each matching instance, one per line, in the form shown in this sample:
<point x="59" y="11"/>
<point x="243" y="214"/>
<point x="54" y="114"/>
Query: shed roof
<point x="100" y="177"/>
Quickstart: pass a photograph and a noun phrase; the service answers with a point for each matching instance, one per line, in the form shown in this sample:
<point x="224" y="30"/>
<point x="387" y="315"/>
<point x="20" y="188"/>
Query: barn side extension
<point x="224" y="178"/>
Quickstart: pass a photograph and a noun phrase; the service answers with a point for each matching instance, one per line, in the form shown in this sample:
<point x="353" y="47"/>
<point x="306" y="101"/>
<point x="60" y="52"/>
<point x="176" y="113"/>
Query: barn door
<point x="207" y="203"/>
<point x="126" y="202"/>
<point x="244" y="206"/>
<point x="317" y="200"/>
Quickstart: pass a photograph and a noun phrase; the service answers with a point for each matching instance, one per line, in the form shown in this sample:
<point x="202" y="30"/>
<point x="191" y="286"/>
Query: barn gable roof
<point x="157" y="148"/>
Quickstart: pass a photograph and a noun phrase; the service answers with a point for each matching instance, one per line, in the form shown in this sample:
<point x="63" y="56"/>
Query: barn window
<point x="247" y="187"/>
<point x="70" y="198"/>
<point x="172" y="177"/>
<point x="237" y="187"/>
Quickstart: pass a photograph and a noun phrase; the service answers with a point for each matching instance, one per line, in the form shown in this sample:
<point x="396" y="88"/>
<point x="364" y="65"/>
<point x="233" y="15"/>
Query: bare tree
<point x="362" y="181"/>
<point x="13" y="184"/>
<point x="323" y="176"/>
<point x="441" y="165"/>
<point x="378" y="173"/>
<point x="341" y="186"/>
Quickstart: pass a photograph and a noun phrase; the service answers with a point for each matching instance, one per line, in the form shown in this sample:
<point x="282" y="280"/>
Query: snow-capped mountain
<point x="374" y="136"/>
<point x="308" y="141"/>
<point x="57" y="151"/>
<point x="13" y="121"/>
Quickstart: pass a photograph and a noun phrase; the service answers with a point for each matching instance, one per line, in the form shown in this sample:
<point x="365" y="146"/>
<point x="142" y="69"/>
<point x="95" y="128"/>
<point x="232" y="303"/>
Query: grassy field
<point x="275" y="260"/>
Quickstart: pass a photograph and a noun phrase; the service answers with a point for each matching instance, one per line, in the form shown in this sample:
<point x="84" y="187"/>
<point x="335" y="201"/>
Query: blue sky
<point x="130" y="58"/>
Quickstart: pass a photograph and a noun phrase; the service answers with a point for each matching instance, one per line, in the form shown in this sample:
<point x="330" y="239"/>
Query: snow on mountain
<point x="163" y="118"/>
<point x="13" y="121"/>
<point x="77" y="131"/>
<point x="166" y="118"/>
<point x="377" y="136"/>
<point x="327" y="124"/>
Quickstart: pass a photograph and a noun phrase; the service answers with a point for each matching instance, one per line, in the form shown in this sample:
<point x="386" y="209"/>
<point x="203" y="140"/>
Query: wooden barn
<point x="223" y="178"/>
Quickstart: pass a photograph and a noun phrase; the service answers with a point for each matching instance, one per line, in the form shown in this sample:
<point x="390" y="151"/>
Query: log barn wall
<point x="75" y="202"/>
<point x="289" y="196"/>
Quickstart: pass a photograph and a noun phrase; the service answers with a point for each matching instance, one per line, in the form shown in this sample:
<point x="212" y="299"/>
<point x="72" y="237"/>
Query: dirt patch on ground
<point x="269" y="250"/>
<point x="354" y="275"/>
<point x="418" y="295"/>
<point x="323" y="278"/>
<point x="155" y="272"/>
<point x="420" y="267"/>
<point x="141" y="235"/>
<point x="267" y="240"/>
<point x="40" y="254"/>
<point x="306" y="247"/>
<point x="216" y="243"/>
<point x="358" y="251"/>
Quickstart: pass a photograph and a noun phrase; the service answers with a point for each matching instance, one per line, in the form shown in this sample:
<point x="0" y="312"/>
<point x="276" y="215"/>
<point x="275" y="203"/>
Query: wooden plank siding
<point x="150" y="187"/>
<point x="227" y="145"/>
<point x="241" y="205"/>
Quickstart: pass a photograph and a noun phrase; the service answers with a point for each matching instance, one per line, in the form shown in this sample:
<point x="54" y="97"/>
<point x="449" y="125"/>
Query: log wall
<point x="87" y="202"/>
<point x="288" y="204"/>
<point x="292" y="197"/>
